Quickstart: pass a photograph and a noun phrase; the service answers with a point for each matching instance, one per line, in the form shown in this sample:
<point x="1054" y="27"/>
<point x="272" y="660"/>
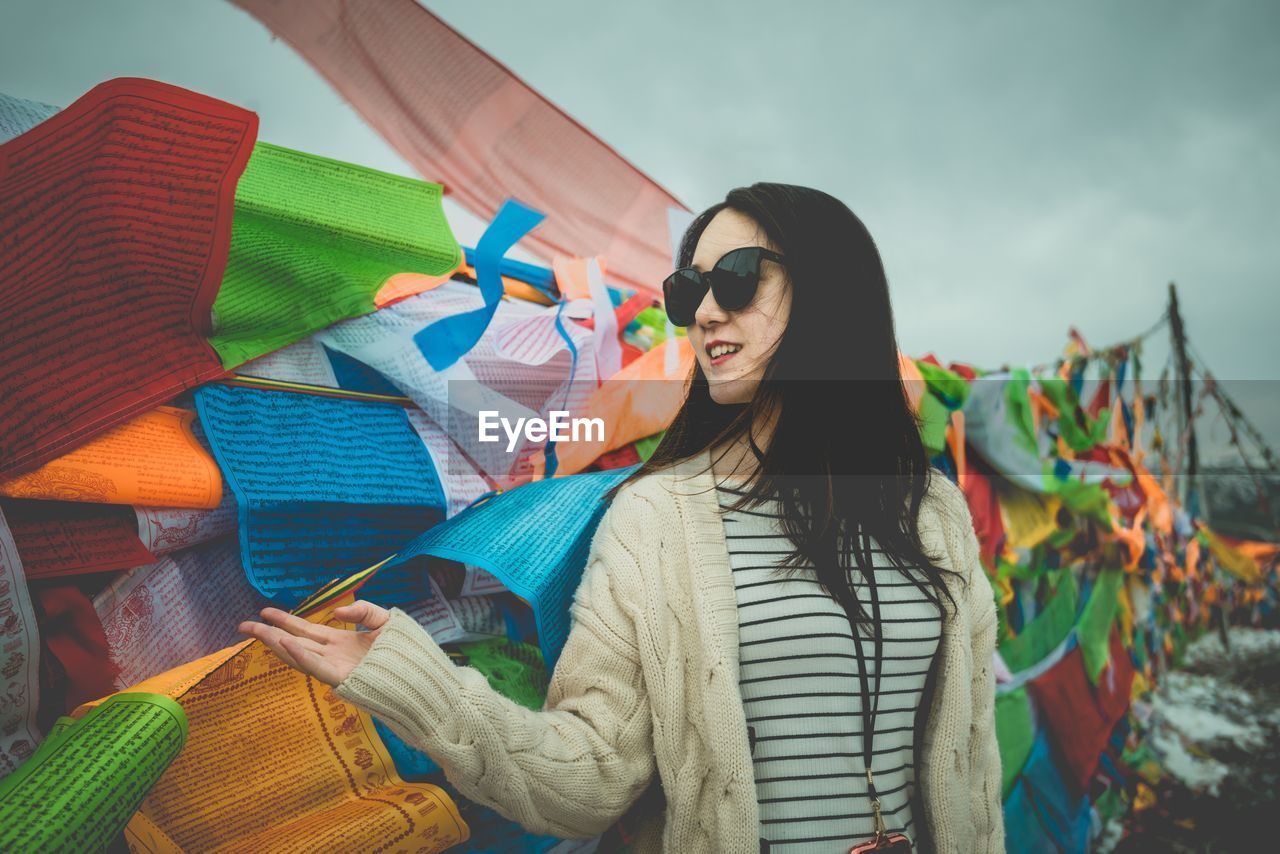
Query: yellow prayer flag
<point x="1232" y="559"/>
<point x="1028" y="516"/>
<point x="267" y="742"/>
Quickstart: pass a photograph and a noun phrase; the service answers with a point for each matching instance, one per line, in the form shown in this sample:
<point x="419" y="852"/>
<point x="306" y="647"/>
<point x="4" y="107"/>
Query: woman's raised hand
<point x="323" y="652"/>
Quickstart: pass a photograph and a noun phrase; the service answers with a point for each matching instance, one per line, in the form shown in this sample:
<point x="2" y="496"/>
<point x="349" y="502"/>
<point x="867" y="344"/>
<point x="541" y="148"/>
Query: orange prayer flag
<point x="1157" y="501"/>
<point x="1133" y="538"/>
<point x="153" y="460"/>
<point x="1040" y="404"/>
<point x="1256" y="549"/>
<point x="571" y="277"/>
<point x="912" y="379"/>
<point x="403" y="285"/>
<point x="1193" y="558"/>
<point x="638" y="401"/>
<point x="955" y="440"/>
<point x="511" y="287"/>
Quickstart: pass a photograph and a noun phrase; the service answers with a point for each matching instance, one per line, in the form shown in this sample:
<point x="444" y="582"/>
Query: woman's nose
<point x="709" y="311"/>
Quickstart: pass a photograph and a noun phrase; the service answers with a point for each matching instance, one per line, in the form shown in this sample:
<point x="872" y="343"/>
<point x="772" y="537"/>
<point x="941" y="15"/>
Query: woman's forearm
<point x="570" y="770"/>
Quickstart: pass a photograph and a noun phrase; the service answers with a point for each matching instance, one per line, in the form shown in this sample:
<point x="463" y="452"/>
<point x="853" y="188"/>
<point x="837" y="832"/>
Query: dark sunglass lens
<point x="736" y="278"/>
<point x="682" y="292"/>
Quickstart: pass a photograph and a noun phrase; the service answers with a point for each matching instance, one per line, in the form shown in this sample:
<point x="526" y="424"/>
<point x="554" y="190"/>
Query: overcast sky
<point x="1023" y="166"/>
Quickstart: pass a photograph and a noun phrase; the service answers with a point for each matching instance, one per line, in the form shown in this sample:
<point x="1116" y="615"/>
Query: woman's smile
<point x="722" y="351"/>
<point x="720" y="360"/>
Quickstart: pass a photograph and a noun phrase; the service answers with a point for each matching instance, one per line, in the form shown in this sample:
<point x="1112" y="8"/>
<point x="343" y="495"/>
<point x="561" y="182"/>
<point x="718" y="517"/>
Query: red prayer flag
<point x="619" y="458"/>
<point x="73" y="633"/>
<point x="59" y="538"/>
<point x="115" y="221"/>
<point x="984" y="508"/>
<point x="1101" y="398"/>
<point x="460" y="117"/>
<point x="1080" y="714"/>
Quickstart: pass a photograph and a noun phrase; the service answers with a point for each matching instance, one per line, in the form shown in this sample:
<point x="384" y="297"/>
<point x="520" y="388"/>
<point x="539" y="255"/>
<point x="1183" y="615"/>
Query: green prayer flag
<point x="934" y="416"/>
<point x="646" y="446"/>
<point x="951" y="388"/>
<point x="654" y="318"/>
<point x="1021" y="571"/>
<point x="1043" y="634"/>
<point x="515" y="670"/>
<point x="1061" y="537"/>
<point x="1086" y="499"/>
<point x="1098" y="430"/>
<point x="1110" y="805"/>
<point x="1093" y="631"/>
<point x="1015" y="734"/>
<point x="84" y="783"/>
<point x="1018" y="409"/>
<point x="1063" y="397"/>
<point x="312" y="242"/>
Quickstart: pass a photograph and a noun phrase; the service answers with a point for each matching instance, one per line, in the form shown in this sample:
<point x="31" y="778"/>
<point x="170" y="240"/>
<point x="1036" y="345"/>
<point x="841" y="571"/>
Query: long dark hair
<point x="846" y="450"/>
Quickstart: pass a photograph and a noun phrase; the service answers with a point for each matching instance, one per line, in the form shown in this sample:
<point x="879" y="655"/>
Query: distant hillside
<point x="1231" y="494"/>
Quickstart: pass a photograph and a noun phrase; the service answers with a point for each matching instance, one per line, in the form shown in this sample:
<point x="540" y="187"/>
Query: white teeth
<point x="720" y="349"/>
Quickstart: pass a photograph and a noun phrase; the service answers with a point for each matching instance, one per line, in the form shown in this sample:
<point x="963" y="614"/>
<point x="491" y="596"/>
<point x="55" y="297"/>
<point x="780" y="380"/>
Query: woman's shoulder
<point x="639" y="501"/>
<point x="945" y="515"/>
<point x="650" y="494"/>
<point x="628" y="532"/>
<point x="944" y="504"/>
<point x="644" y="510"/>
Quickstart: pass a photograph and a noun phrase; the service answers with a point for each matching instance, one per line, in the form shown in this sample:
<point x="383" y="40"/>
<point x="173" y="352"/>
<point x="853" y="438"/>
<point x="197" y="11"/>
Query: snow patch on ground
<point x="1194" y="711"/>
<point x="1214" y="727"/>
<point x="1195" y="772"/>
<point x="1246" y="644"/>
<point x="1200" y="707"/>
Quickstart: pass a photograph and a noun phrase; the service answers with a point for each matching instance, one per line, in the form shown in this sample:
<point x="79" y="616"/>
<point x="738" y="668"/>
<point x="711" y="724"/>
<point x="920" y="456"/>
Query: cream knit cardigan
<point x="648" y="681"/>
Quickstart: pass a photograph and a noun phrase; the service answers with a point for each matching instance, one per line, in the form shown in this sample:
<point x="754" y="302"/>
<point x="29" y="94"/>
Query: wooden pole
<point x="1184" y="388"/>
<point x="1189" y="424"/>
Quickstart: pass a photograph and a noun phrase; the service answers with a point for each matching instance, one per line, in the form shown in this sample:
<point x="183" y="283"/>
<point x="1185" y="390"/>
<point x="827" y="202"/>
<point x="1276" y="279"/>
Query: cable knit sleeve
<point x="573" y="768"/>
<point x="986" y="806"/>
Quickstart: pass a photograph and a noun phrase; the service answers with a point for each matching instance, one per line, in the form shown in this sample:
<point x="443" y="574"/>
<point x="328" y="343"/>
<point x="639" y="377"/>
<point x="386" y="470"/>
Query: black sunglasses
<point x="733" y="280"/>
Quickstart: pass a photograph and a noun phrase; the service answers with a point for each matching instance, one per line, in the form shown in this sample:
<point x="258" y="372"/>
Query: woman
<point x="713" y="689"/>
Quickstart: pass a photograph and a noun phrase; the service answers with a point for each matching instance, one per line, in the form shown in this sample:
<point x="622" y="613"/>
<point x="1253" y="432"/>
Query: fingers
<point x="365" y="613"/>
<point x="302" y="654"/>
<point x="271" y="637"/>
<point x="297" y="626"/>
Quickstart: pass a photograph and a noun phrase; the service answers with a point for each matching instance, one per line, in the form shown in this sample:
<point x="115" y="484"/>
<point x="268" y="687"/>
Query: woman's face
<point x="756" y="329"/>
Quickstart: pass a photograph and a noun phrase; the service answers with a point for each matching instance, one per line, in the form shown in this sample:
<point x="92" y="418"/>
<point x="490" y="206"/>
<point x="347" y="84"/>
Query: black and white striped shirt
<point x="799" y="681"/>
